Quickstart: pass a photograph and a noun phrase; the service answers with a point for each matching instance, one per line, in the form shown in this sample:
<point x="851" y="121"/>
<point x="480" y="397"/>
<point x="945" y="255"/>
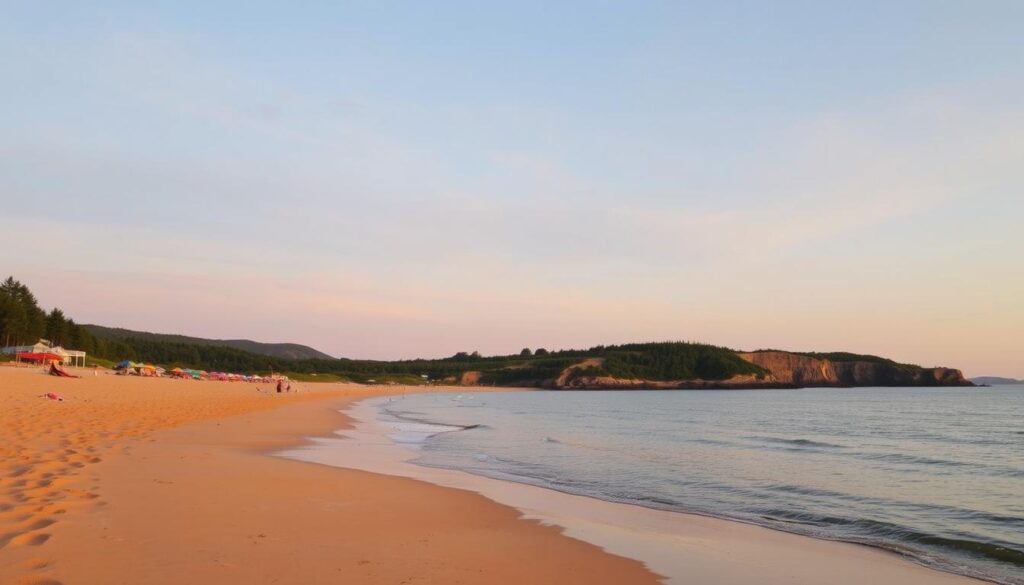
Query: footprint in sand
<point x="30" y="539"/>
<point x="51" y="509"/>
<point x="19" y="470"/>
<point x="39" y="524"/>
<point x="82" y="494"/>
<point x="39" y="581"/>
<point x="37" y="564"/>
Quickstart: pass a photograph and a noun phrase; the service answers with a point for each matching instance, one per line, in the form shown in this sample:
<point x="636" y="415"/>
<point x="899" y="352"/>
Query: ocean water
<point x="934" y="474"/>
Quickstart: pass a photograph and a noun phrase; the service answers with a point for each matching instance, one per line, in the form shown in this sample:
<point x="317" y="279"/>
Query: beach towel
<point x="60" y="372"/>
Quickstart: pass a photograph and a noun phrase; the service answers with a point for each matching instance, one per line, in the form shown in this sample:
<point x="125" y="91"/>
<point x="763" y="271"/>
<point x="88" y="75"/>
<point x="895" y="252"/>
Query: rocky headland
<point x="780" y="369"/>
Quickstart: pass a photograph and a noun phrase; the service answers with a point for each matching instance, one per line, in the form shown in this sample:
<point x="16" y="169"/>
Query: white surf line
<point x="684" y="548"/>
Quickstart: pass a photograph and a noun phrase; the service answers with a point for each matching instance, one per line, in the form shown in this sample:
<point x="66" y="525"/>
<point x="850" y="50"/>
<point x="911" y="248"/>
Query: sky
<point x="396" y="180"/>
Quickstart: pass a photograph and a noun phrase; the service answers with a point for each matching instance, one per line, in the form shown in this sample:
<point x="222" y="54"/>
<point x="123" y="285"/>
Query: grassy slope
<point x="674" y="361"/>
<point x="844" y="356"/>
<point x="278" y="350"/>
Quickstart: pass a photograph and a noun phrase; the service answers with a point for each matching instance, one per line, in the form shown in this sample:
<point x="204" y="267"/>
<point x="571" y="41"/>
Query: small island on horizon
<point x="995" y="381"/>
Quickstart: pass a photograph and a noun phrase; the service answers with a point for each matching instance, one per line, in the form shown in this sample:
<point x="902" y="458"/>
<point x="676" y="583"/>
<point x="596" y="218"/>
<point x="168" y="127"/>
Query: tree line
<point x="24" y="322"/>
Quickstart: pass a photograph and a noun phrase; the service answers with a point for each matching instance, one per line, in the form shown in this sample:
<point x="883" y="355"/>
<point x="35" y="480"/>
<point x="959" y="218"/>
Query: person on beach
<point x="279" y="386"/>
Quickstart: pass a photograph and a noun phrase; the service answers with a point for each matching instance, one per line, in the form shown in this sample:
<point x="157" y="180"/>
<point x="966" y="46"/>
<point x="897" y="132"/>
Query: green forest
<point x="23" y="322"/>
<point x="843" y="356"/>
<point x="673" y="361"/>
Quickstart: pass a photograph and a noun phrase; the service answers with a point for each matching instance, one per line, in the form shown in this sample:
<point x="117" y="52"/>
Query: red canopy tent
<point x="42" y="358"/>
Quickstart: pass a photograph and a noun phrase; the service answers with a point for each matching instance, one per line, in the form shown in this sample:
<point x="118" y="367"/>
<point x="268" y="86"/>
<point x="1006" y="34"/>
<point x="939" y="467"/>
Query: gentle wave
<point x="871" y="533"/>
<point x="414" y="430"/>
<point x="796" y="442"/>
<point x="911" y="477"/>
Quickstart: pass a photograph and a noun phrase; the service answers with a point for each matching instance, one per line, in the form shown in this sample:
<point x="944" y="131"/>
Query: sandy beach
<point x="152" y="481"/>
<point x="123" y="482"/>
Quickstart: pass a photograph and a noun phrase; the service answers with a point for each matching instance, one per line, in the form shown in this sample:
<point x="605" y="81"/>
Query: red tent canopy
<point x="38" y="357"/>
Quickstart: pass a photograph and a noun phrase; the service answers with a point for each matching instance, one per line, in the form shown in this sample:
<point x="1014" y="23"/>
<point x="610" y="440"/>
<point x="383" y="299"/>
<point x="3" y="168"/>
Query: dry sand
<point x="148" y="481"/>
<point x="92" y="491"/>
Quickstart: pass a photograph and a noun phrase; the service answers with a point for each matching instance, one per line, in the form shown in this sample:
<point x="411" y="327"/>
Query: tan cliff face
<point x="791" y="368"/>
<point x="471" y="378"/>
<point x="783" y="370"/>
<point x="804" y="370"/>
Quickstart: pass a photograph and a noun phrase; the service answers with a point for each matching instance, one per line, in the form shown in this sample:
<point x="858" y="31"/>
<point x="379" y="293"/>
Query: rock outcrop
<point x="578" y="377"/>
<point x="785" y="370"/>
<point x="471" y="378"/>
<point x="741" y="382"/>
<point x="803" y="370"/>
<point x="795" y="369"/>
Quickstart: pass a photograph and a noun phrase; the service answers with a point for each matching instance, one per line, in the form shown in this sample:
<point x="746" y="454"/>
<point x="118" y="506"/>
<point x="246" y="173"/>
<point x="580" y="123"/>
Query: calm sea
<point x="935" y="474"/>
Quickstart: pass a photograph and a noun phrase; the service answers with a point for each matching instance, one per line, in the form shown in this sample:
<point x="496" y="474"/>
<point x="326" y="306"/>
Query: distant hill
<point x="659" y="365"/>
<point x="664" y="365"/>
<point x="995" y="381"/>
<point x="291" y="351"/>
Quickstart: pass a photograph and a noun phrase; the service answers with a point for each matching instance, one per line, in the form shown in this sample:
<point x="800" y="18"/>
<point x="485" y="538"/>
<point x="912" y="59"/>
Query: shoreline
<point x="679" y="545"/>
<point x="201" y="502"/>
<point x="157" y="481"/>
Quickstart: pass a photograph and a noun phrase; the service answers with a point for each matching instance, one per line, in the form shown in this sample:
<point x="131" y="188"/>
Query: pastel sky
<point x="389" y="180"/>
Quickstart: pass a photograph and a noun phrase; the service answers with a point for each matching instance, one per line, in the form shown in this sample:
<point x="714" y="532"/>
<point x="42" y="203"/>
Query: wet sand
<point x="684" y="548"/>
